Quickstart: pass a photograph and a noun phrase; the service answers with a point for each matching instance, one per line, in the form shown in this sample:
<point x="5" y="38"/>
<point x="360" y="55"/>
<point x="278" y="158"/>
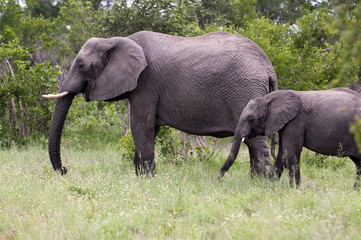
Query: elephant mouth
<point x="256" y="132"/>
<point x="88" y="86"/>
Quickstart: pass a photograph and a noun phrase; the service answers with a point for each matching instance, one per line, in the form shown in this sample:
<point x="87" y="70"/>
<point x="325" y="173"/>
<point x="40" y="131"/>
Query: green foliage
<point x="355" y="129"/>
<point x="94" y="124"/>
<point x="300" y="63"/>
<point x="281" y="11"/>
<point x="174" y="147"/>
<point x="154" y="15"/>
<point x="42" y="8"/>
<point x="312" y="159"/>
<point x="348" y="24"/>
<point x="126" y="147"/>
<point x="215" y="12"/>
<point x="171" y="145"/>
<point x="246" y="12"/>
<point x="11" y="15"/>
<point x="22" y="84"/>
<point x="76" y="23"/>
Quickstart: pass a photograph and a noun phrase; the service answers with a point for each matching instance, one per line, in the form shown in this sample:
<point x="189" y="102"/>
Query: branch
<point x="324" y="50"/>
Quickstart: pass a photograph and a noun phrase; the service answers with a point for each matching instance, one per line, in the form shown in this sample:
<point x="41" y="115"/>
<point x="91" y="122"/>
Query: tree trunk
<point x="12" y="117"/>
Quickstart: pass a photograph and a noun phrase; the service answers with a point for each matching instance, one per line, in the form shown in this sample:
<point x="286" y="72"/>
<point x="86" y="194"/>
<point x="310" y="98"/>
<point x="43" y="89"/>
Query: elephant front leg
<point x="279" y="163"/>
<point x="260" y="160"/>
<point x="144" y="132"/>
<point x="144" y="154"/>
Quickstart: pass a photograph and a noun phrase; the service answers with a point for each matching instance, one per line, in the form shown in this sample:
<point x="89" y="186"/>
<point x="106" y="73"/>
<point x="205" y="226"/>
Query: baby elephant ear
<point x="283" y="106"/>
<point x="125" y="62"/>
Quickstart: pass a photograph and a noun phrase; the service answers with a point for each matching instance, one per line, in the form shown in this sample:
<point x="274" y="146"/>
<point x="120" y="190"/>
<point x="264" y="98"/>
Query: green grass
<point x="101" y="198"/>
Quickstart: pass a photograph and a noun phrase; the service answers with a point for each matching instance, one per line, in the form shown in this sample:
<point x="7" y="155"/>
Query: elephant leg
<point x="260" y="160"/>
<point x="144" y="132"/>
<point x="294" y="171"/>
<point x="357" y="162"/>
<point x="292" y="159"/>
<point x="144" y="153"/>
<point x="279" y="163"/>
<point x="137" y="163"/>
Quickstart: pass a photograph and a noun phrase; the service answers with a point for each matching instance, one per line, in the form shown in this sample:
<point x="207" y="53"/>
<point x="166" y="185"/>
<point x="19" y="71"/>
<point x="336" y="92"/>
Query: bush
<point x="312" y="159"/>
<point x="22" y="110"/>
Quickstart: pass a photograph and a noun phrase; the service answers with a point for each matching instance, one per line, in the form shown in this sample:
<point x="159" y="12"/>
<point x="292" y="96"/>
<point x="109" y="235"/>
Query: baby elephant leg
<point x="292" y="153"/>
<point x="285" y="159"/>
<point x="357" y="162"/>
<point x="279" y="163"/>
<point x="294" y="171"/>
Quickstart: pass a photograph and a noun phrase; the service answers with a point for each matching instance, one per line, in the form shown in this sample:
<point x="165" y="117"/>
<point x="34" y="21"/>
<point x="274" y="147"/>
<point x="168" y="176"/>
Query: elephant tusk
<point x="53" y="96"/>
<point x="243" y="139"/>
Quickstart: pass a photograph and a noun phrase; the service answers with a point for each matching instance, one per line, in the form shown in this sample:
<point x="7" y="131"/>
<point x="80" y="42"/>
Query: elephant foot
<point x="220" y="175"/>
<point x="357" y="185"/>
<point x="263" y="169"/>
<point x="62" y="171"/>
<point x="146" y="169"/>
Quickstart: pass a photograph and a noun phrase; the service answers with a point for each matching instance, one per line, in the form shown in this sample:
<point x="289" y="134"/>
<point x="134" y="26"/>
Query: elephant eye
<point x="81" y="65"/>
<point x="251" y="120"/>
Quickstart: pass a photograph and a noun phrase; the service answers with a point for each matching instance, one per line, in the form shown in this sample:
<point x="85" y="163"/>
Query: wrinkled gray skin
<point x="199" y="85"/>
<point x="317" y="120"/>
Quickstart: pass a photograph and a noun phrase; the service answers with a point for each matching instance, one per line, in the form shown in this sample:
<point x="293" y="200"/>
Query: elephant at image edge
<point x="198" y="85"/>
<point x="317" y="120"/>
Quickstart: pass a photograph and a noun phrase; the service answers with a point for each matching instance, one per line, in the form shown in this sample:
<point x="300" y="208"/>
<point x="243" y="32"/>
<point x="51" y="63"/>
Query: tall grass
<point x="101" y="198"/>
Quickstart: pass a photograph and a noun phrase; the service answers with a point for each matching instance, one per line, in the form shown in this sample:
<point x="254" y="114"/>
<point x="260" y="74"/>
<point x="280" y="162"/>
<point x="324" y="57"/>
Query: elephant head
<point x="267" y="115"/>
<point x="263" y="116"/>
<point x="104" y="69"/>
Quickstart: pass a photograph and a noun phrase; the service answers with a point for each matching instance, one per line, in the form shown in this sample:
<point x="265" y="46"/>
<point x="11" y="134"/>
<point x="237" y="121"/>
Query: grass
<point x="101" y="198"/>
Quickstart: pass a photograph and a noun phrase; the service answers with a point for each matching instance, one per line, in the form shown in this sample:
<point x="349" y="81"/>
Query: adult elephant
<point x="199" y="85"/>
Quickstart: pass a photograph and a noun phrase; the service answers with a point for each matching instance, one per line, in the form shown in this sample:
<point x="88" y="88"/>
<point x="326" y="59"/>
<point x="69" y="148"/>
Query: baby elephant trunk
<point x="231" y="157"/>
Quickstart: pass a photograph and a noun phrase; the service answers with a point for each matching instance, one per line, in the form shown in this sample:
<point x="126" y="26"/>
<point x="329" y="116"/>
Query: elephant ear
<point x="283" y="106"/>
<point x="125" y="62"/>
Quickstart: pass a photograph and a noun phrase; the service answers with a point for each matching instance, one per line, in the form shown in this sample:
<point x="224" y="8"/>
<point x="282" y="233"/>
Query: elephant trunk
<point x="231" y="157"/>
<point x="61" y="110"/>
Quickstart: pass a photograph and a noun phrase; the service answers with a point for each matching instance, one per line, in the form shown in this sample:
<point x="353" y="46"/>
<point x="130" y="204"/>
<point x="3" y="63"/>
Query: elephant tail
<point x="273" y="86"/>
<point x="273" y="82"/>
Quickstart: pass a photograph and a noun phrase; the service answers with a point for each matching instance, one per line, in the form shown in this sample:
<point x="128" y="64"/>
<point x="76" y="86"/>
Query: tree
<point x="22" y="110"/>
<point x="348" y="24"/>
<point x="246" y="12"/>
<point x="161" y="16"/>
<point x="43" y="8"/>
<point x="215" y="12"/>
<point x="283" y="11"/>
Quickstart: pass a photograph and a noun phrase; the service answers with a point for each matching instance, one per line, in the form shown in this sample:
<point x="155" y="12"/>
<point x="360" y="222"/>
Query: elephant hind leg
<point x="293" y="162"/>
<point x="137" y="163"/>
<point x="357" y="162"/>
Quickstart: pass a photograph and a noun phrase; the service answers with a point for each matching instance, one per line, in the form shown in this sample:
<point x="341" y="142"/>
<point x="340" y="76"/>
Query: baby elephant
<point x="317" y="120"/>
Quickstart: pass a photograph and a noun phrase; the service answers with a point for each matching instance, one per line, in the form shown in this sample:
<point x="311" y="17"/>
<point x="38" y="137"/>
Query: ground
<point x="101" y="198"/>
